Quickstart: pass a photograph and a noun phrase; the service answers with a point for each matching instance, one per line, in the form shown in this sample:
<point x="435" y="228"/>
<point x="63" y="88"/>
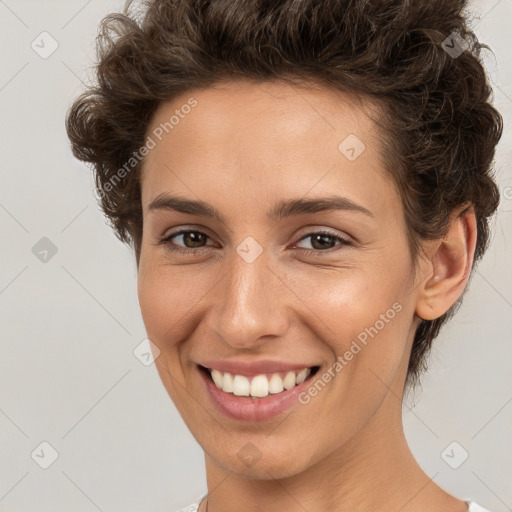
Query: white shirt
<point x="475" y="507"/>
<point x="472" y="507"/>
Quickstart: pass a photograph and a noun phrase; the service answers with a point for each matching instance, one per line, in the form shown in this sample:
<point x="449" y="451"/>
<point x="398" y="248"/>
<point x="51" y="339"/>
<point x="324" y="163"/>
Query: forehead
<point x="273" y="110"/>
<point x="268" y="136"/>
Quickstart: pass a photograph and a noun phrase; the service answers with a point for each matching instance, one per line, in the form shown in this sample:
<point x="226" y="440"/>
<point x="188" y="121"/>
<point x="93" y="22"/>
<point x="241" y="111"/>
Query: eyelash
<point x="344" y="242"/>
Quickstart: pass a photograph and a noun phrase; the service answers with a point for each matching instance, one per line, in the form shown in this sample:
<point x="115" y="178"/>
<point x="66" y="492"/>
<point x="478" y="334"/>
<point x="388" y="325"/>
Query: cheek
<point x="155" y="304"/>
<point x="163" y="306"/>
<point x="164" y="300"/>
<point x="365" y="322"/>
<point x="351" y="301"/>
<point x="366" y="317"/>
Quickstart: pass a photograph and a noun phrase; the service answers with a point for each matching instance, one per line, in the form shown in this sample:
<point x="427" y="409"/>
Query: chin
<point x="264" y="469"/>
<point x="257" y="460"/>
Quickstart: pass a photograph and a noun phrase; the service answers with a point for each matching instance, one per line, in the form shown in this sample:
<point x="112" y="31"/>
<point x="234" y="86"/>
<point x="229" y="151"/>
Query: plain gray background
<point x="70" y="324"/>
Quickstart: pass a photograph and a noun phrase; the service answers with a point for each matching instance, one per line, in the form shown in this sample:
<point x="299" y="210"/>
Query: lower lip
<point x="252" y="409"/>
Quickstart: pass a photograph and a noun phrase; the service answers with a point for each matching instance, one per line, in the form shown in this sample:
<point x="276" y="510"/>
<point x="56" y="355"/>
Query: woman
<point x="307" y="187"/>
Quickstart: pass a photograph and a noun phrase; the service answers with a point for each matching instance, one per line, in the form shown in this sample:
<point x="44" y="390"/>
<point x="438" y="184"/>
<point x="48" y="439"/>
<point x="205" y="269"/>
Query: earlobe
<point x="448" y="267"/>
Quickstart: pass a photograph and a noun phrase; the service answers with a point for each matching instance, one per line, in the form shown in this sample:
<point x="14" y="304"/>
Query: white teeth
<point x="289" y="380"/>
<point x="241" y="386"/>
<point x="217" y="378"/>
<point x="301" y="376"/>
<point x="227" y="383"/>
<point x="260" y="386"/>
<point x="276" y="384"/>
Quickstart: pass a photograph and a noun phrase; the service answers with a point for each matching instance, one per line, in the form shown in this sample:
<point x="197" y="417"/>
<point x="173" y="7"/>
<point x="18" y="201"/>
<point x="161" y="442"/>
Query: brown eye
<point x="193" y="239"/>
<point x="190" y="240"/>
<point x="322" y="241"/>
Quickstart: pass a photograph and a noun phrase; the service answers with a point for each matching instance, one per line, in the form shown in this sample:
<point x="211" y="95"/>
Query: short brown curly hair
<point x="439" y="131"/>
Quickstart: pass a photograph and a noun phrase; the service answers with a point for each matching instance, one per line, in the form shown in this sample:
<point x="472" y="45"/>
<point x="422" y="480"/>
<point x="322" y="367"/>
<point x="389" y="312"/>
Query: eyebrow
<point x="281" y="210"/>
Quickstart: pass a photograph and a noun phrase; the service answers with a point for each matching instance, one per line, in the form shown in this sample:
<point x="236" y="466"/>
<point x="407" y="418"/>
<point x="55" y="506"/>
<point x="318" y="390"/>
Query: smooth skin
<point x="244" y="147"/>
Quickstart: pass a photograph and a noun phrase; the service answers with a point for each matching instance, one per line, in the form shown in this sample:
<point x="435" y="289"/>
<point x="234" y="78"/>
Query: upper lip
<point x="253" y="368"/>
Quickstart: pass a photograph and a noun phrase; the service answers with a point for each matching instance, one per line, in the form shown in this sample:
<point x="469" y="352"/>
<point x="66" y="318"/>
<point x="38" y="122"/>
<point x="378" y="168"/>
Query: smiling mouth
<point x="258" y="386"/>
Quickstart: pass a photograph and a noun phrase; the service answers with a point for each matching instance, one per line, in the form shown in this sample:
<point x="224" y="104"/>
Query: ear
<point x="447" y="266"/>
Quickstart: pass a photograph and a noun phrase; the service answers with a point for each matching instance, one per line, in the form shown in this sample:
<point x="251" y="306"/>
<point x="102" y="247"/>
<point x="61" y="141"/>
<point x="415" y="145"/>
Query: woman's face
<point x="266" y="281"/>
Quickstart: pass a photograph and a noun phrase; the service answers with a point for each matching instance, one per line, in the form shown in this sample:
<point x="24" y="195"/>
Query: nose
<point x="251" y="304"/>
